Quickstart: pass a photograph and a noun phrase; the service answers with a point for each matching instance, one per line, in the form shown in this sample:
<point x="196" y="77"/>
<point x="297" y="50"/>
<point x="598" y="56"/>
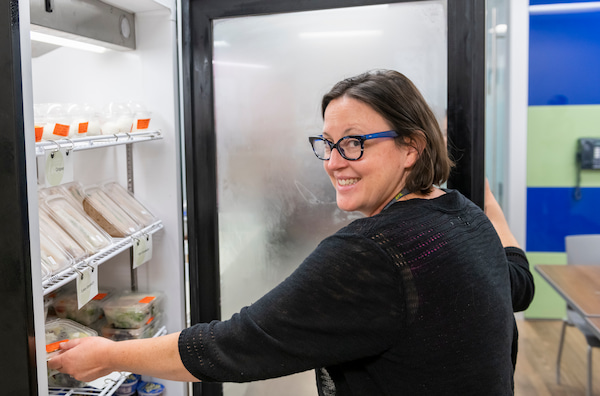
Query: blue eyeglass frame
<point x="361" y="138"/>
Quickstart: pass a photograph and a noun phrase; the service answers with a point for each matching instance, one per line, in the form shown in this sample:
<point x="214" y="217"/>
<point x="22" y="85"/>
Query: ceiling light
<point x="564" y="8"/>
<point x="65" y="42"/>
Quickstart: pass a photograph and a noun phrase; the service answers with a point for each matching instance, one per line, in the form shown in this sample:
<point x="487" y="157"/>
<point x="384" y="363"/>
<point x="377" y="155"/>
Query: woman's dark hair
<point x="399" y="102"/>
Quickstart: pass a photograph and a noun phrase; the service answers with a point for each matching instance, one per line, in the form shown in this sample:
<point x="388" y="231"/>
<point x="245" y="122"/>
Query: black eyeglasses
<point x="349" y="147"/>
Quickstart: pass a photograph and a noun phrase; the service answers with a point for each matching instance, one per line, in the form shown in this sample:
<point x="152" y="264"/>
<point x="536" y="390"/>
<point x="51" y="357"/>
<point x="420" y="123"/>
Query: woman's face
<point x="368" y="184"/>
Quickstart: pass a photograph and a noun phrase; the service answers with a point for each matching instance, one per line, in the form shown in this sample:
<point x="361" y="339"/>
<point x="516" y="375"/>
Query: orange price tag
<point x="83" y="127"/>
<point x="146" y="300"/>
<point x="100" y="296"/>
<point x="39" y="131"/>
<point x="143" y="124"/>
<point x="54" y="346"/>
<point x="61" y="130"/>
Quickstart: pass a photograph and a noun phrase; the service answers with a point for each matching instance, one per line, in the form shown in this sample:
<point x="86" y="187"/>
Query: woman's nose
<point x="336" y="160"/>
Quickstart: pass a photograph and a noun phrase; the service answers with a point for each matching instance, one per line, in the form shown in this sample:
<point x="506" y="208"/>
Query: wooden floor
<point x="536" y="362"/>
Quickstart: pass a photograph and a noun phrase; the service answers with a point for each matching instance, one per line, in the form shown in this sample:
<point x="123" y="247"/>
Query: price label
<point x="142" y="250"/>
<point x="59" y="167"/>
<point x="87" y="285"/>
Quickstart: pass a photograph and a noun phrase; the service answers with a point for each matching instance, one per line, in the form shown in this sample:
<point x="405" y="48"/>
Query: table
<point x="579" y="285"/>
<point x="594" y="324"/>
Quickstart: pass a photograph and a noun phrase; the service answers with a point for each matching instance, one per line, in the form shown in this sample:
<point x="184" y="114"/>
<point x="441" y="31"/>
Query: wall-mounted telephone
<point x="588" y="153"/>
<point x="588" y="157"/>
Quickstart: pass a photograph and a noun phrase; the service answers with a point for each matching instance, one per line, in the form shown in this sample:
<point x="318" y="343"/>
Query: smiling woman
<point x="416" y="298"/>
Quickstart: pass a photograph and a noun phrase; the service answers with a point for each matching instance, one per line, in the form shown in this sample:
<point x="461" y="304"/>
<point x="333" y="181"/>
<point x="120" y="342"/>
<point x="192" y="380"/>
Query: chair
<point x="581" y="250"/>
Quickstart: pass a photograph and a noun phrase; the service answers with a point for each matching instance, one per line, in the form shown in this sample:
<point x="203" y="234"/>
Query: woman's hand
<point x="85" y="359"/>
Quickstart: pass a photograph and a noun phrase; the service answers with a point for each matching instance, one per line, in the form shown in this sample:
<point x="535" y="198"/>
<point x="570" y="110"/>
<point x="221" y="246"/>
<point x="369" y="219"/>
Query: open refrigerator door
<point x="104" y="175"/>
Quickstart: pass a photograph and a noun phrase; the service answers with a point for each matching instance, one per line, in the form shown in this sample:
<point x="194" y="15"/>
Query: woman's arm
<point x="494" y="212"/>
<point x="521" y="279"/>
<point x="89" y="358"/>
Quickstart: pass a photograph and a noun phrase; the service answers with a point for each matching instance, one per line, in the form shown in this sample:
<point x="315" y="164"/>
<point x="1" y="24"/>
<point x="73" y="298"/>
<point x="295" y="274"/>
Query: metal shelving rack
<point x="93" y="142"/>
<point x="68" y="275"/>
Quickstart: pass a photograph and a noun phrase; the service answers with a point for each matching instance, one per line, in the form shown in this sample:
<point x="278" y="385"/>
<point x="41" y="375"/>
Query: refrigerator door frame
<point x="466" y="116"/>
<point x="23" y="369"/>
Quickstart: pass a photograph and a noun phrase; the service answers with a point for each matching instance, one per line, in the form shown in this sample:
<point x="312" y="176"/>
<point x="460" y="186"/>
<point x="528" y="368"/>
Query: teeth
<point x="347" y="182"/>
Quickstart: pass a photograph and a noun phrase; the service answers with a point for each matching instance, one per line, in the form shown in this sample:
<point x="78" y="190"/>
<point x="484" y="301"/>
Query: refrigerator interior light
<point x="66" y="42"/>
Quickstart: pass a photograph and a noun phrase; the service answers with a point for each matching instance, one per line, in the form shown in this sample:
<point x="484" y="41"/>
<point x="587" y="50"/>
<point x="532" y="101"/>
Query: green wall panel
<point x="547" y="304"/>
<point x="552" y="135"/>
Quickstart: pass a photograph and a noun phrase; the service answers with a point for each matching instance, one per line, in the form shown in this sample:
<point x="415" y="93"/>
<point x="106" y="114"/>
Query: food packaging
<point x="75" y="191"/>
<point x="79" y="120"/>
<point x="46" y="273"/>
<point x="150" y="389"/>
<point x="141" y="117"/>
<point x="128" y="387"/>
<point x="148" y="330"/>
<point x="129" y="203"/>
<point x="39" y="119"/>
<point x="132" y="310"/>
<point x="62" y="330"/>
<point x="65" y="305"/>
<point x="107" y="214"/>
<point x="73" y="220"/>
<point x="116" y="118"/>
<point x="53" y="256"/>
<point x="60" y="237"/>
<point x="57" y="123"/>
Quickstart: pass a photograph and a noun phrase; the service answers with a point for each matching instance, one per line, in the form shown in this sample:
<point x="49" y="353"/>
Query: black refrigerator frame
<point x="466" y="124"/>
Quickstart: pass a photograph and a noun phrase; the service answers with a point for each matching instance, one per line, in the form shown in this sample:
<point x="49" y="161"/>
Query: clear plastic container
<point x="148" y="330"/>
<point x="65" y="306"/>
<point x="58" y="124"/>
<point x="74" y="190"/>
<point x="53" y="256"/>
<point x="150" y="389"/>
<point x="133" y="310"/>
<point x="73" y="220"/>
<point x="141" y="117"/>
<point x="107" y="214"/>
<point x="79" y="120"/>
<point x="46" y="273"/>
<point x="94" y="126"/>
<point x="60" y="237"/>
<point x="116" y="118"/>
<point x="39" y="119"/>
<point x="62" y="330"/>
<point x="129" y="203"/>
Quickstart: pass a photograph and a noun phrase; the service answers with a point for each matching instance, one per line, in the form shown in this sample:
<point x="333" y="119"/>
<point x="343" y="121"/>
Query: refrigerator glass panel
<point x="496" y="128"/>
<point x="275" y="200"/>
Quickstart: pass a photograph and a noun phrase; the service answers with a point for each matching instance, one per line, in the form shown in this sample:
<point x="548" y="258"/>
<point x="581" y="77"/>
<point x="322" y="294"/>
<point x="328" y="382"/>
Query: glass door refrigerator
<point x="217" y="98"/>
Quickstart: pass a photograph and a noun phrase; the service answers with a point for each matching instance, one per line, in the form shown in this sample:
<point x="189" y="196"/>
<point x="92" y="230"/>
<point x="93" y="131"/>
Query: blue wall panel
<point x="564" y="59"/>
<point x="553" y="213"/>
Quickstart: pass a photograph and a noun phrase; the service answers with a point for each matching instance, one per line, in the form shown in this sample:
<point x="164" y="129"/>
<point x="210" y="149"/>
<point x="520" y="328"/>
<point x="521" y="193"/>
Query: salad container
<point x="65" y="306"/>
<point x="62" y="330"/>
<point x="132" y="310"/>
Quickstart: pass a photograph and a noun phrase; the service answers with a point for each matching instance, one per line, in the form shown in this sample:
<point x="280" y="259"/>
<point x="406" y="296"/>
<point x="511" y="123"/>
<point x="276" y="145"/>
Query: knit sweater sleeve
<point x="521" y="279"/>
<point x="342" y="303"/>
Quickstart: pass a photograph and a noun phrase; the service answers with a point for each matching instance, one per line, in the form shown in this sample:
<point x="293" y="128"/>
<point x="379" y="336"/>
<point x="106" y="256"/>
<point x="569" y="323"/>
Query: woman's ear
<point x="415" y="146"/>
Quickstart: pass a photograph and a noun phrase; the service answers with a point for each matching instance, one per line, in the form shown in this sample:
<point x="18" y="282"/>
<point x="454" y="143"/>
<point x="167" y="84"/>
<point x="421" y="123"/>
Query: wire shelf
<point x="92" y="142"/>
<point x="69" y="274"/>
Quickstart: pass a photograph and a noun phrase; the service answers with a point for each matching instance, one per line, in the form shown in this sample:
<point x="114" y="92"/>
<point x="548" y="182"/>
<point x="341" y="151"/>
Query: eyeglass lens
<point x="349" y="147"/>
